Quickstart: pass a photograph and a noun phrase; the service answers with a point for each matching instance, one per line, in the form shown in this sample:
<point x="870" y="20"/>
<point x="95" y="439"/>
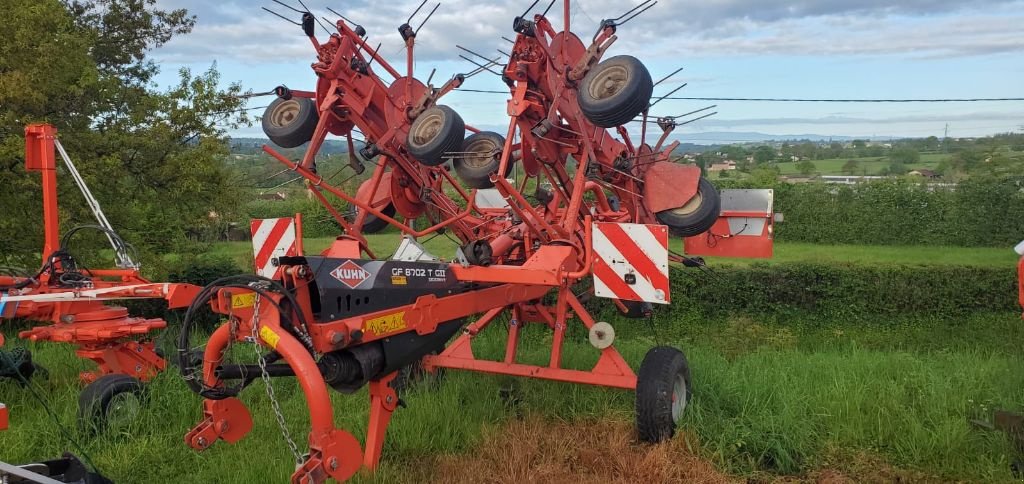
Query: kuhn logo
<point x="350" y="274"/>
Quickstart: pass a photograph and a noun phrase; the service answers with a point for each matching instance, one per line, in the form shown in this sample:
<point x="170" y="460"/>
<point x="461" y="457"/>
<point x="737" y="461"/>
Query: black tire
<point x="290" y="123"/>
<point x="373" y="224"/>
<point x="663" y="374"/>
<point x="437" y="131"/>
<point x="101" y="403"/>
<point x="475" y="170"/>
<point x="698" y="215"/>
<point x="615" y="91"/>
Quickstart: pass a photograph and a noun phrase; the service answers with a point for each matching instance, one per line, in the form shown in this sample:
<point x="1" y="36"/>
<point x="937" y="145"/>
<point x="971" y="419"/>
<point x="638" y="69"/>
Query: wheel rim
<point x="678" y="397"/>
<point x="480" y="152"/>
<point x="122" y="410"/>
<point x="285" y="113"/>
<point x="427" y="128"/>
<point x="609" y="82"/>
<point x="691" y="206"/>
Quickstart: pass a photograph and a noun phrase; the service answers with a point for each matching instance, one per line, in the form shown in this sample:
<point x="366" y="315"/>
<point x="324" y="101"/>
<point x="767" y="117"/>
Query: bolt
<point x="389" y="399"/>
<point x="201" y="441"/>
<point x="333" y="463"/>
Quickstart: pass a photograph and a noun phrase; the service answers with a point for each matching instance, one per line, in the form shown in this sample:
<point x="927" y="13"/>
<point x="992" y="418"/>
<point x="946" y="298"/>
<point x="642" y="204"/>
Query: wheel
<point x="373" y="224"/>
<point x="481" y="156"/>
<point x="697" y="215"/>
<point x="615" y="91"/>
<point x="436" y="132"/>
<point x="290" y="123"/>
<point x="662" y="392"/>
<point x="111" y="403"/>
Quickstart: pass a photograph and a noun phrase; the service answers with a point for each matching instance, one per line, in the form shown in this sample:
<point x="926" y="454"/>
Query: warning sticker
<point x="385" y="324"/>
<point x="247" y="300"/>
<point x="268" y="335"/>
<point x="399" y="280"/>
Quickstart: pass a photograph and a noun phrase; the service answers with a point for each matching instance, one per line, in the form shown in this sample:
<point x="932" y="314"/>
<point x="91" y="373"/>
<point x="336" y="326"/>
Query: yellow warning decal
<point x="385" y="324"/>
<point x="247" y="300"/>
<point x="268" y="335"/>
<point x="399" y="280"/>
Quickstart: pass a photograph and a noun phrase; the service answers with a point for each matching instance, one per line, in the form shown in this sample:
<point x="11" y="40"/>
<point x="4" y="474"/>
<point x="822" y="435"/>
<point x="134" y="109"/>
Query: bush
<point x="978" y="212"/>
<point x="838" y="290"/>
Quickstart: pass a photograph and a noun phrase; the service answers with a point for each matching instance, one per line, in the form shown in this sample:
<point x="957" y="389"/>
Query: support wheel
<point x="110" y="403"/>
<point x="615" y="91"/>
<point x="435" y="133"/>
<point x="481" y="156"/>
<point x="373" y="224"/>
<point x="662" y="392"/>
<point x="696" y="216"/>
<point x="290" y="123"/>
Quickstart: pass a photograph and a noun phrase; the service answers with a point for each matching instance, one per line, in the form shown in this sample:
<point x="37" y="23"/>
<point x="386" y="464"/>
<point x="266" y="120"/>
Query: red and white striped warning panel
<point x="631" y="262"/>
<point x="272" y="238"/>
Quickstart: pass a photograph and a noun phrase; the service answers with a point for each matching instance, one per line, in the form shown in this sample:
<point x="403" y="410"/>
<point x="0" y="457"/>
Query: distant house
<point x="276" y="196"/>
<point x="723" y="166"/>
<point x="925" y="173"/>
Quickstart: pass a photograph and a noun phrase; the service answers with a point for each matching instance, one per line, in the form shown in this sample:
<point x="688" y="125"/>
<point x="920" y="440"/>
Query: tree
<point x="904" y="156"/>
<point x="806" y="167"/>
<point x="152" y="157"/>
<point x="859" y="144"/>
<point x="851" y="166"/>
<point x="764" y="154"/>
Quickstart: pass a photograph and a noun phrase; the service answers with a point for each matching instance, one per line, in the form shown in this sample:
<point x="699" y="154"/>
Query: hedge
<point x="979" y="212"/>
<point x="846" y="290"/>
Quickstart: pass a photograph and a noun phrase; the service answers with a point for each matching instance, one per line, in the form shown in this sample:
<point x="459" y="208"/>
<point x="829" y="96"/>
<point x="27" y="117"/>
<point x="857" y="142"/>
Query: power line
<point x="794" y="100"/>
<point x="798" y="100"/>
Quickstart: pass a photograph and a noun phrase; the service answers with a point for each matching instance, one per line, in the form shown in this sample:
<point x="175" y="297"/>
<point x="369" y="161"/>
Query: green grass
<point x="385" y="243"/>
<point x="770" y="397"/>
<point x="868" y="166"/>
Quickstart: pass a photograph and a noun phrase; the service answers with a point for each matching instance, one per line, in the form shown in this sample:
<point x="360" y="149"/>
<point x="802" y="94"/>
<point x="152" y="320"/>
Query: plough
<point x="71" y="300"/>
<point x="602" y="209"/>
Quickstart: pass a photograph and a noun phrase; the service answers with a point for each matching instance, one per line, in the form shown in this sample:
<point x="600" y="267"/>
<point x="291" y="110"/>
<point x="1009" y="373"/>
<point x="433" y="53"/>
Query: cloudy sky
<point x="729" y="48"/>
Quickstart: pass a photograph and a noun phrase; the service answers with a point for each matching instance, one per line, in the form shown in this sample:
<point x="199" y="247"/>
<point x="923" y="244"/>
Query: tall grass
<point x="793" y="396"/>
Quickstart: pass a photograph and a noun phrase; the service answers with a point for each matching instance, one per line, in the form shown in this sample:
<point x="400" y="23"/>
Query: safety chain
<point x="270" y="388"/>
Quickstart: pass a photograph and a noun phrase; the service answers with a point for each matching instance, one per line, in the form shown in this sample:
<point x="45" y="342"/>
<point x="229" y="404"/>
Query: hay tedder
<point x="592" y="216"/>
<point x="70" y="299"/>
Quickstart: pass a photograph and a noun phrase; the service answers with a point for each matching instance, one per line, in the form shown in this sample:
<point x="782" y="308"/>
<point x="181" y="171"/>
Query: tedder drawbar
<point x="597" y="221"/>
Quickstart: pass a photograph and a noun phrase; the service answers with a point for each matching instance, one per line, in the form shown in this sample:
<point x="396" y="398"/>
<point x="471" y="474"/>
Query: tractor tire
<point x="662" y="392"/>
<point x="434" y="134"/>
<point x="290" y="123"/>
<point x="110" y="403"/>
<point x="698" y="215"/>
<point x="615" y="91"/>
<point x="475" y="170"/>
<point x="373" y="223"/>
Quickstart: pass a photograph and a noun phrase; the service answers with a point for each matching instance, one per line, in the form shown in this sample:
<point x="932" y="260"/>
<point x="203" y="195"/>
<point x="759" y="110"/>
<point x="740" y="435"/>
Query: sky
<point x="728" y="48"/>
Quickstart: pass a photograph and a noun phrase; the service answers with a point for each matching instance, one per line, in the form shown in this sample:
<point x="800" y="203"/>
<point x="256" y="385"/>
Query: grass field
<point x="775" y="399"/>
<point x="770" y="400"/>
<point x="385" y="243"/>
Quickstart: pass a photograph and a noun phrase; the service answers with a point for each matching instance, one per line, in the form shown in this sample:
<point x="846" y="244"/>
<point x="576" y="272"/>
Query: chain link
<point x="270" y="388"/>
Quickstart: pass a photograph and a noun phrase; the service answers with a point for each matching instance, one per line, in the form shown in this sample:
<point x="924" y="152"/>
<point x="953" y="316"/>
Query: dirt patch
<point x="535" y="450"/>
<point x="539" y="451"/>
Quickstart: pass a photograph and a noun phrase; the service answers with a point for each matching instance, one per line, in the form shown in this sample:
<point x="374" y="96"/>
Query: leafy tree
<point x="859" y="144"/>
<point x="851" y="166"/>
<point x="152" y="157"/>
<point x="806" y="167"/>
<point x="835" y="150"/>
<point x="764" y="155"/>
<point x="904" y="156"/>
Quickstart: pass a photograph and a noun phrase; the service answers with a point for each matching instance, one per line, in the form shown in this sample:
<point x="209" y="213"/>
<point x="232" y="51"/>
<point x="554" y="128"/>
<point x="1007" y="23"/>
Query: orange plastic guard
<point x="745" y="229"/>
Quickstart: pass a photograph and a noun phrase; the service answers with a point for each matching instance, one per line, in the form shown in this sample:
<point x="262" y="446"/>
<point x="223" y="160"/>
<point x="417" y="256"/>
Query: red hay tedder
<point x="71" y="300"/>
<point x="601" y="210"/>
